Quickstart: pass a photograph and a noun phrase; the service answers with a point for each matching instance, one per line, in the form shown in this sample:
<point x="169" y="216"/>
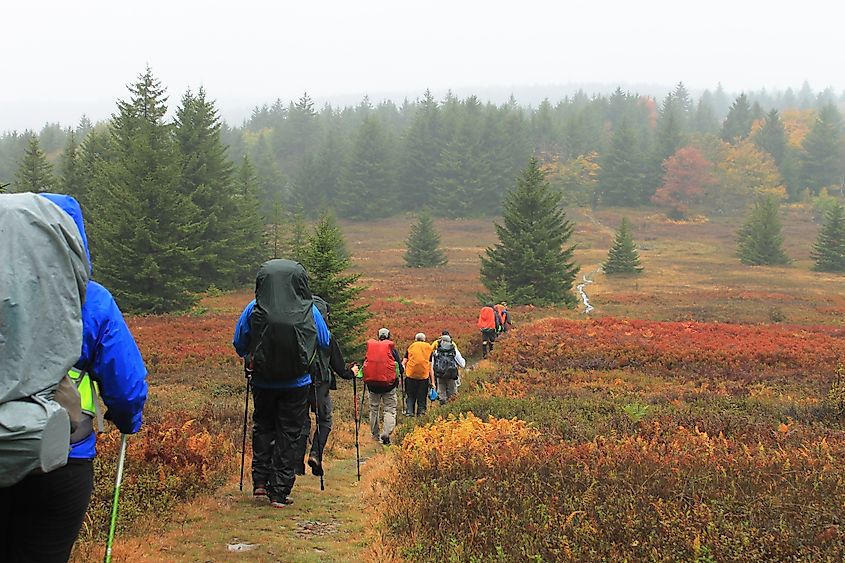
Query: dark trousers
<point x="416" y="391"/>
<point x="321" y="405"/>
<point x="276" y="425"/>
<point x="41" y="516"/>
<point x="488" y="336"/>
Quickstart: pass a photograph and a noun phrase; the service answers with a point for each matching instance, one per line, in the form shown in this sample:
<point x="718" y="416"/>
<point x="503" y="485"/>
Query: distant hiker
<point x="49" y="312"/>
<point x="446" y="360"/>
<point x="418" y="375"/>
<point x="382" y="369"/>
<point x="488" y="323"/>
<point x="278" y="333"/>
<point x="504" y="316"/>
<point x="329" y="364"/>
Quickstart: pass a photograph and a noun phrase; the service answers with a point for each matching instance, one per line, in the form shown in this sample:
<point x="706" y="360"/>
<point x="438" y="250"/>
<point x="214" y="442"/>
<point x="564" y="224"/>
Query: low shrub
<point x="469" y="490"/>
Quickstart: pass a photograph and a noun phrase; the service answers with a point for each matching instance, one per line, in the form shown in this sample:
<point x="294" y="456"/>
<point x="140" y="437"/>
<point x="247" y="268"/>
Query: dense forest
<point x="186" y="198"/>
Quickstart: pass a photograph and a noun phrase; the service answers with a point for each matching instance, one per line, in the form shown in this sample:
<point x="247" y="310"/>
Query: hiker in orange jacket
<point x="504" y="316"/>
<point x="488" y="323"/>
<point x="419" y="375"/>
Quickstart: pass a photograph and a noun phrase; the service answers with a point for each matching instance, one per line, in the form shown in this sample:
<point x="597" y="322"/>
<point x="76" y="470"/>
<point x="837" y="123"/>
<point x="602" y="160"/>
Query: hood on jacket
<point x="72" y="208"/>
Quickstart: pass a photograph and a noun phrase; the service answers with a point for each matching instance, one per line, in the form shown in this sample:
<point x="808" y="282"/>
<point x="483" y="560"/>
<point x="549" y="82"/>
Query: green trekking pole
<point x="118" y="480"/>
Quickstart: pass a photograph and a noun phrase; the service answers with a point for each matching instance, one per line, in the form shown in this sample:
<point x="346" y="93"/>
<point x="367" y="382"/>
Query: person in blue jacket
<point x="280" y="409"/>
<point x="109" y="365"/>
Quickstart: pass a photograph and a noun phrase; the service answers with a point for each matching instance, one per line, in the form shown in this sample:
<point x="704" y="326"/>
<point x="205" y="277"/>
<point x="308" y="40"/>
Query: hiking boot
<point x="259" y="491"/>
<point x="281" y="503"/>
<point x="300" y="468"/>
<point x="376" y="438"/>
<point x="385" y="439"/>
<point x="315" y="465"/>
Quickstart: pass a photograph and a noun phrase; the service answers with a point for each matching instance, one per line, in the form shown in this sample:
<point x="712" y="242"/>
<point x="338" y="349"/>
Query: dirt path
<point x="232" y="526"/>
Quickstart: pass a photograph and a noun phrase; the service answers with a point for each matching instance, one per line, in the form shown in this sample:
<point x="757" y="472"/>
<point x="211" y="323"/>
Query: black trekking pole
<point x="357" y="420"/>
<point x="317" y="435"/>
<point x="246" y="411"/>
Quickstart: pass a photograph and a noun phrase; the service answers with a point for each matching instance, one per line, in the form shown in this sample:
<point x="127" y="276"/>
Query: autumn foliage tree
<point x="687" y="178"/>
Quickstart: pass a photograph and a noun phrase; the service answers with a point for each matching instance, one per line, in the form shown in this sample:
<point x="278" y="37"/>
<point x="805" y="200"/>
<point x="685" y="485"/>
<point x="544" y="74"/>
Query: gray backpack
<point x="42" y="288"/>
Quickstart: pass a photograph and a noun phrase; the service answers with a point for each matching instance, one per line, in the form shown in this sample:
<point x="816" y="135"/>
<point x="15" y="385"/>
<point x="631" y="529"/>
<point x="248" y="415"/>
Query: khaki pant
<point x="388" y="403"/>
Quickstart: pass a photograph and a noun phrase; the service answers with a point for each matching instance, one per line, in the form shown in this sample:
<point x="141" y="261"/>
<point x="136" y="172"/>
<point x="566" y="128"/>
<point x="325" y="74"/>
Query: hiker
<point x="446" y="360"/>
<point x="41" y="515"/>
<point x="278" y="334"/>
<point x="488" y="323"/>
<point x="382" y="371"/>
<point x="418" y="375"/>
<point x="329" y="364"/>
<point x="504" y="317"/>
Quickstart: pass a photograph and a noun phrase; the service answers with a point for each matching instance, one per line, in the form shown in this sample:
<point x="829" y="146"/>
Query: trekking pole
<point x="243" y="444"/>
<point x="117" y="483"/>
<point x="355" y="409"/>
<point x="317" y="435"/>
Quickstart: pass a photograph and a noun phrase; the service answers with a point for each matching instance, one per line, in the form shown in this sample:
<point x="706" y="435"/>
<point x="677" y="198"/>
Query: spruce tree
<point x="760" y="242"/>
<point x="71" y="180"/>
<point x="623" y="257"/>
<point x="822" y="160"/>
<point x="325" y="260"/>
<point x="370" y="178"/>
<point x="206" y="178"/>
<point x="249" y="235"/>
<point x="738" y="123"/>
<point x="621" y="177"/>
<point x="421" y="145"/>
<point x="142" y="223"/>
<point x="532" y="262"/>
<point x="829" y="249"/>
<point x="34" y="173"/>
<point x="423" y="245"/>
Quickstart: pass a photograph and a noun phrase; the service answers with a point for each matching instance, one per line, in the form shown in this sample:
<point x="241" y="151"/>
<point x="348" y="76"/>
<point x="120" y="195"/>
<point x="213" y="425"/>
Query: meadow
<point x="693" y="415"/>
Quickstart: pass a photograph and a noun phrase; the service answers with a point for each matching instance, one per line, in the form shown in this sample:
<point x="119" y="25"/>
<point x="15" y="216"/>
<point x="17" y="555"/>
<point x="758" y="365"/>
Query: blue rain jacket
<point x="109" y="352"/>
<point x="241" y="344"/>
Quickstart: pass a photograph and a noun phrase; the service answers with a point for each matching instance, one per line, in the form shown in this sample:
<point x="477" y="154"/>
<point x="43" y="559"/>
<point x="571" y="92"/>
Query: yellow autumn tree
<point x="576" y="179"/>
<point x="745" y="172"/>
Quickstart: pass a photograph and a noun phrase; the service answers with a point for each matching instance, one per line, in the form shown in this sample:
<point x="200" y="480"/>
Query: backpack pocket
<point x="34" y="436"/>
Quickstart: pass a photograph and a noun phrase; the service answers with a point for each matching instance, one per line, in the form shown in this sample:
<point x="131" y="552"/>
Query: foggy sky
<point x="63" y="59"/>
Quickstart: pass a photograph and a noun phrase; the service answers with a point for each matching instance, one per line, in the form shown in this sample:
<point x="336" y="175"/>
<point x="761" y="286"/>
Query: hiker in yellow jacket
<point x="419" y="374"/>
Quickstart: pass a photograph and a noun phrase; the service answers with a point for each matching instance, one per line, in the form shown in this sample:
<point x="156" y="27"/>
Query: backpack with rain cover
<point x="445" y="363"/>
<point x="283" y="332"/>
<point x="42" y="287"/>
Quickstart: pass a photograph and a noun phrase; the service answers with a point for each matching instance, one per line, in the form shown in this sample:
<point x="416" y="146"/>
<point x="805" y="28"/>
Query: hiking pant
<point x="447" y="389"/>
<point x="322" y="409"/>
<point x="276" y="425"/>
<point x="416" y="391"/>
<point x="388" y="402"/>
<point x="41" y="515"/>
<point x="488" y="336"/>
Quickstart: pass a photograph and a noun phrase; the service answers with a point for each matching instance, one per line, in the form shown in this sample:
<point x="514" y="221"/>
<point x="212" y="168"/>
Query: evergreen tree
<point x="705" y="119"/>
<point x="297" y="243"/>
<point x="421" y="145"/>
<point x="829" y="249"/>
<point x="327" y="266"/>
<point x="532" y="263"/>
<point x="771" y="137"/>
<point x="142" y="223"/>
<point x="34" y="173"/>
<point x="423" y="245"/>
<point x="760" y="240"/>
<point x="623" y="257"/>
<point x="71" y="180"/>
<point x="622" y="170"/>
<point x="370" y="174"/>
<point x="822" y="159"/>
<point x="738" y="123"/>
<point x="206" y="178"/>
<point x="249" y="234"/>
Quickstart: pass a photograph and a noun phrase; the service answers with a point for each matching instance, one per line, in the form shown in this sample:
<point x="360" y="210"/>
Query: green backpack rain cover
<point x="283" y="333"/>
<point x="43" y="278"/>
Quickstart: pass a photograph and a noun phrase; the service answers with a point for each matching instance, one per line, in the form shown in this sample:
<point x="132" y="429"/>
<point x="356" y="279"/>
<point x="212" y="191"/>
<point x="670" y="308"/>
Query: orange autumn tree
<point x="686" y="179"/>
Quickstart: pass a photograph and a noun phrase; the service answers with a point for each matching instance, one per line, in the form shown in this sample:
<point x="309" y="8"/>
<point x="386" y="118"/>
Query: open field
<point x="693" y="417"/>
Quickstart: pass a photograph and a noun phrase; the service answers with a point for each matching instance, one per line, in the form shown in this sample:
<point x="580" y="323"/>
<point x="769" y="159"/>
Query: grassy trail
<point x="320" y="526"/>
